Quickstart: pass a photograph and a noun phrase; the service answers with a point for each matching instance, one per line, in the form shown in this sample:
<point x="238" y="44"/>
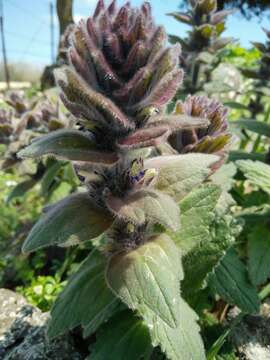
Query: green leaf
<point x="230" y="281"/>
<point x="85" y="301"/>
<point x="146" y="206"/>
<point x="259" y="254"/>
<point x="242" y="155"/>
<point x="224" y="176"/>
<point x="259" y="127"/>
<point x="179" y="174"/>
<point x="183" y="342"/>
<point x="227" y="356"/>
<point x="197" y="213"/>
<point x="148" y="279"/>
<point x="236" y="105"/>
<point x="264" y="90"/>
<point x="201" y="260"/>
<point x="20" y="189"/>
<point x="67" y="144"/>
<point x="123" y="337"/>
<point x="70" y="221"/>
<point x="218" y="344"/>
<point x="256" y="172"/>
<point x="49" y="176"/>
<point x="59" y="191"/>
<point x="253" y="214"/>
<point x="251" y="73"/>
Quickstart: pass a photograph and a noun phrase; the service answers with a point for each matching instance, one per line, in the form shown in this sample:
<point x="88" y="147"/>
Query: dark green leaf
<point x="179" y="174"/>
<point x="235" y="155"/>
<point x="49" y="176"/>
<point x="147" y="206"/>
<point x="259" y="254"/>
<point x="230" y="281"/>
<point x="21" y="189"/>
<point x="147" y="279"/>
<point x="255" y="213"/>
<point x="236" y="105"/>
<point x="67" y="144"/>
<point x="259" y="127"/>
<point x="215" y="348"/>
<point x="70" y="221"/>
<point x="123" y="337"/>
<point x="181" y="343"/>
<point x="197" y="213"/>
<point x="201" y="260"/>
<point x="251" y="73"/>
<point x="85" y="301"/>
<point x="59" y="191"/>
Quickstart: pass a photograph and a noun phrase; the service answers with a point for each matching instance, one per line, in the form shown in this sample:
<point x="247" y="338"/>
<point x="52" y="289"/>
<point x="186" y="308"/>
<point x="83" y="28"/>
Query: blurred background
<point x="32" y="29"/>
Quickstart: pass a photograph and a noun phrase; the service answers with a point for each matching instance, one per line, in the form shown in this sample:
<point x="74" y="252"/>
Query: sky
<point x="27" y="26"/>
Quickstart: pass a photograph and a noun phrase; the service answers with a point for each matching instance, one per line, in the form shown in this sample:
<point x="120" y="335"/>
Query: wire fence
<point x="29" y="43"/>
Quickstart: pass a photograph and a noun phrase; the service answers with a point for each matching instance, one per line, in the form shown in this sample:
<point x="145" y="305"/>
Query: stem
<point x="70" y="257"/>
<point x="195" y="75"/>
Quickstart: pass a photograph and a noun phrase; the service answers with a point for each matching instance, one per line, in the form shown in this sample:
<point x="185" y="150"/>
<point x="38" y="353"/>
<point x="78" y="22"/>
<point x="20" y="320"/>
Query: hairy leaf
<point x="203" y="258"/>
<point x="73" y="86"/>
<point x="148" y="279"/>
<point x="86" y="300"/>
<point x="179" y="174"/>
<point x="67" y="144"/>
<point x="163" y="91"/>
<point x="183" y="342"/>
<point x="257" y="173"/>
<point x="197" y="214"/>
<point x="259" y="254"/>
<point x="146" y="206"/>
<point x="230" y="281"/>
<point x="123" y="337"/>
<point x="224" y="176"/>
<point x="145" y="137"/>
<point x="71" y="220"/>
<point x="177" y="122"/>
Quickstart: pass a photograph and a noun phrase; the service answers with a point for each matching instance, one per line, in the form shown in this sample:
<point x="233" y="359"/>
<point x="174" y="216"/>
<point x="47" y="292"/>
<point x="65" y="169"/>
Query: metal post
<point x="52" y="31"/>
<point x="5" y="61"/>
